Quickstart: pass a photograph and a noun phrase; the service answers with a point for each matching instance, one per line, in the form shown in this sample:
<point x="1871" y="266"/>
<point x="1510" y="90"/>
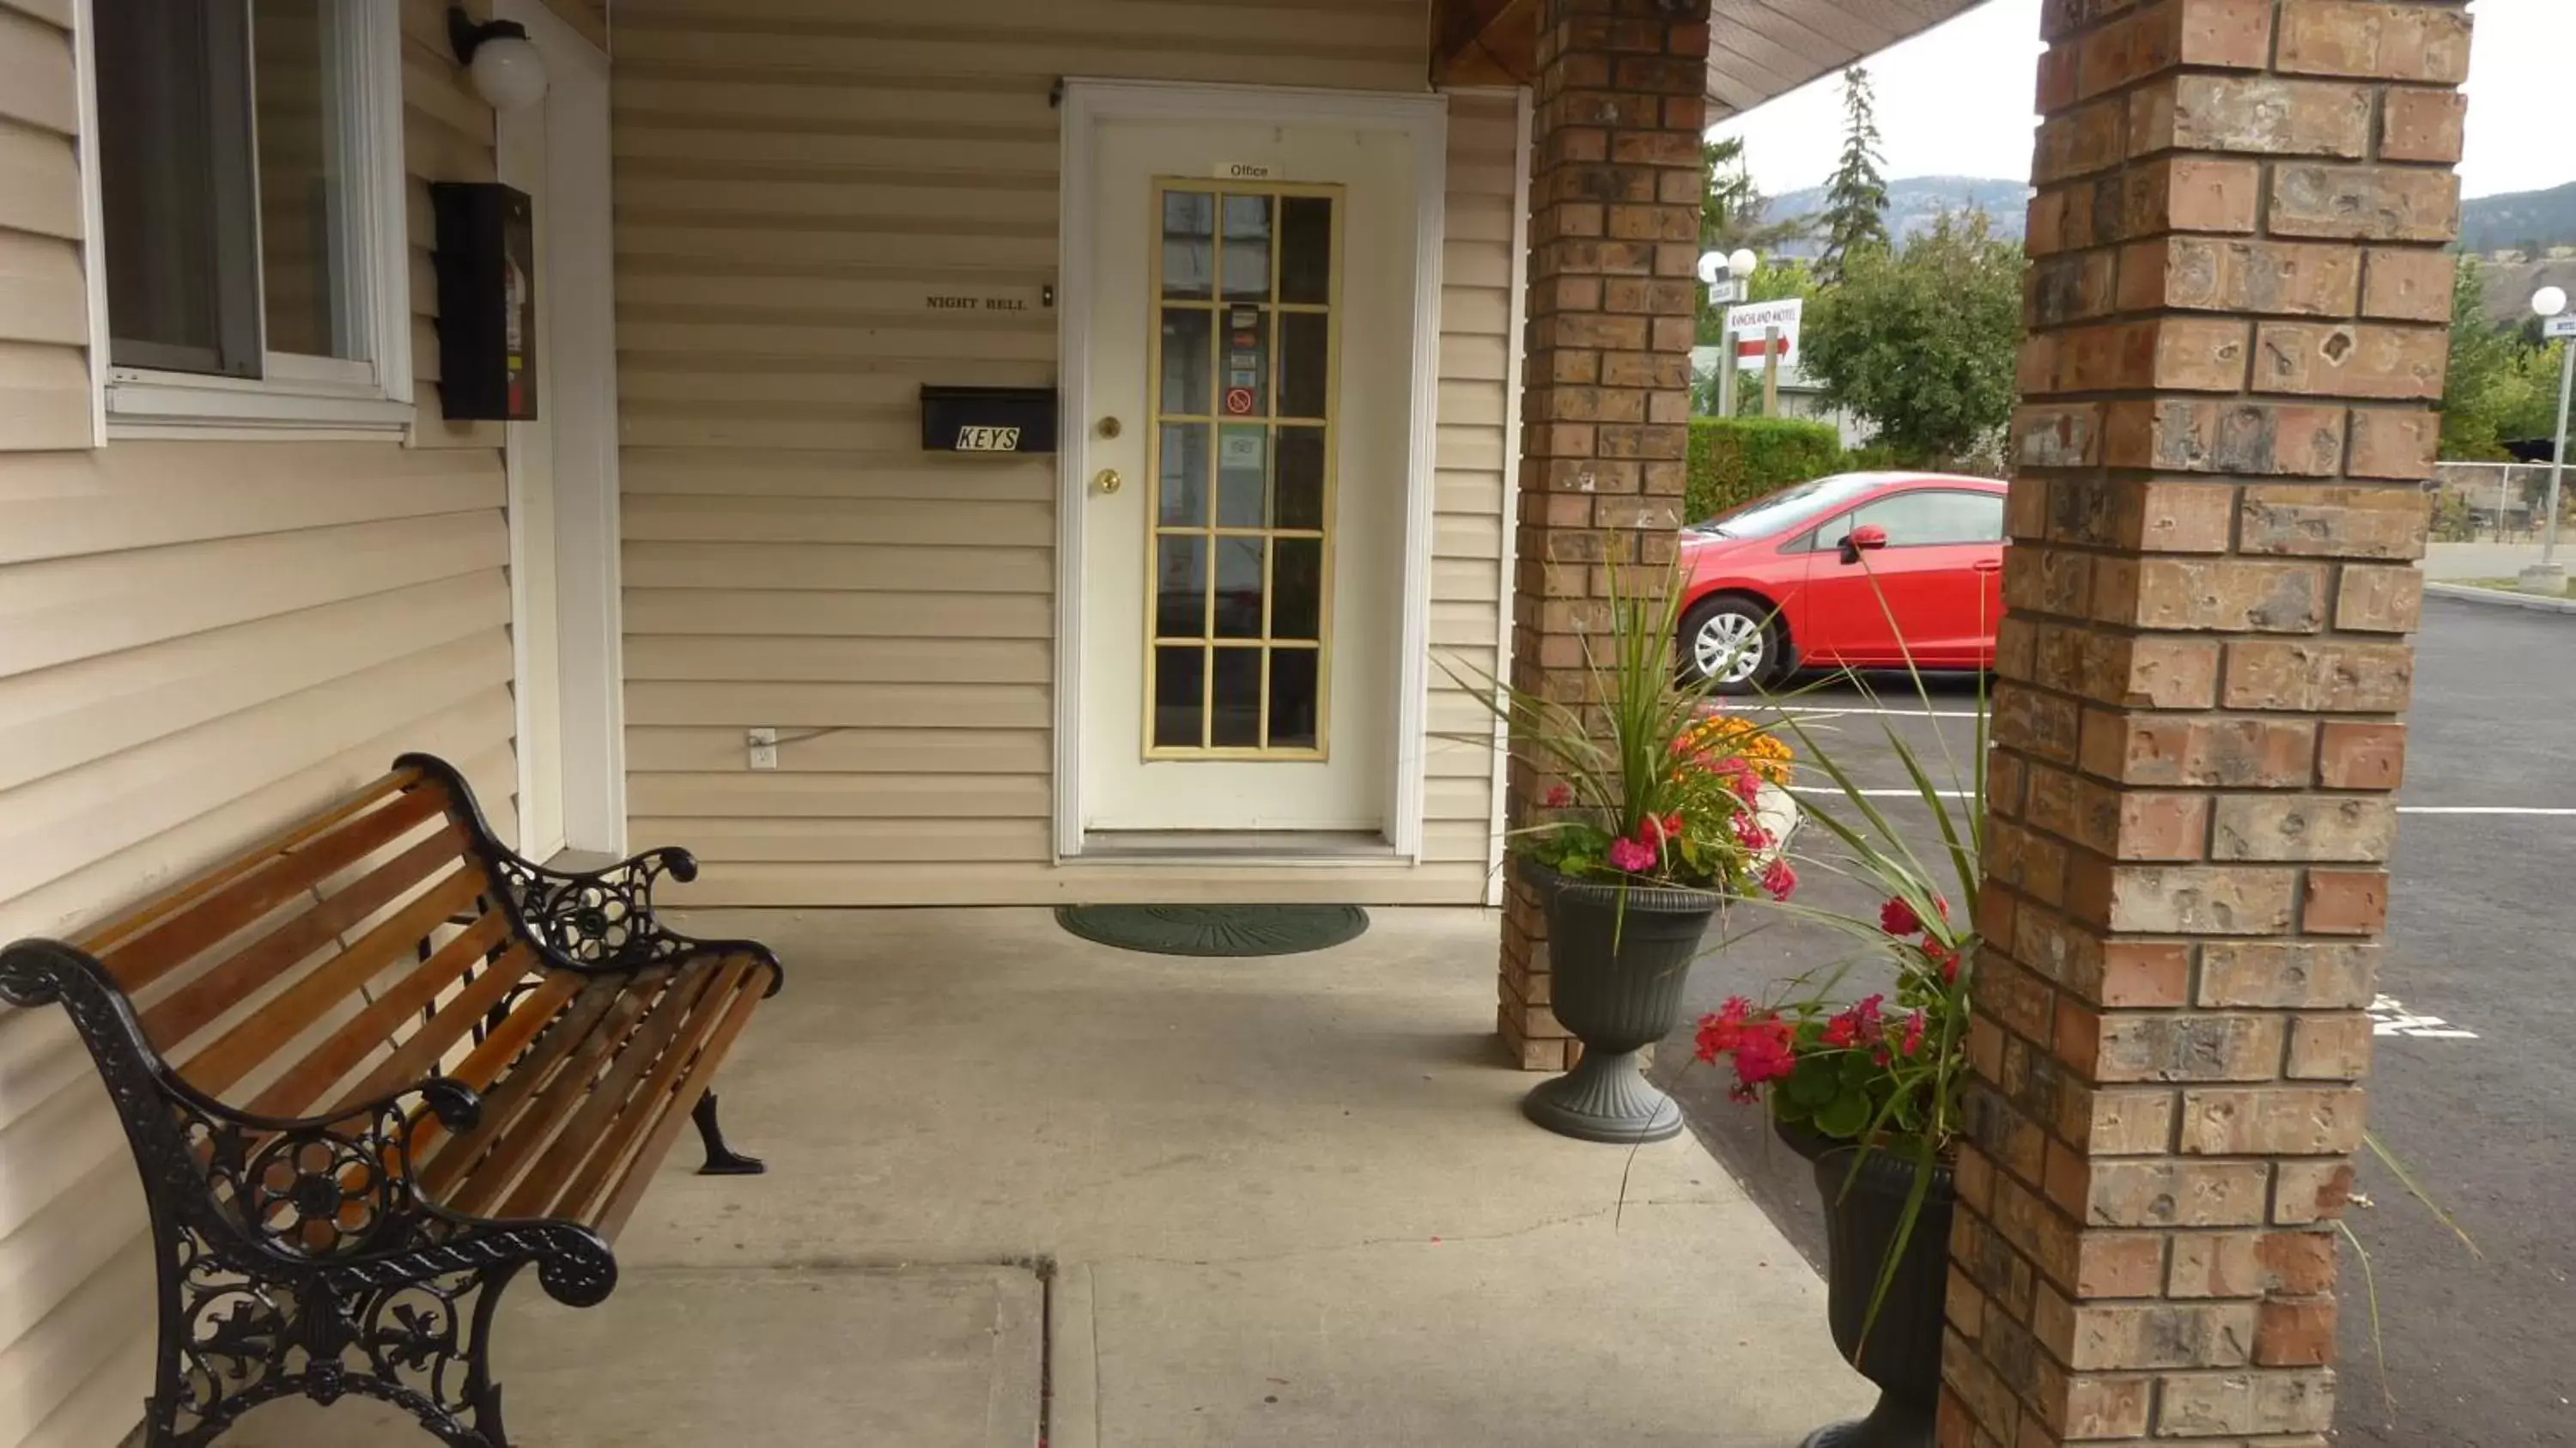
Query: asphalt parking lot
<point x="2473" y="1086"/>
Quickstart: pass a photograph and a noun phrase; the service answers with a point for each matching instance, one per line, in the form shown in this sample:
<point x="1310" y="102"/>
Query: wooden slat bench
<point x="372" y="1067"/>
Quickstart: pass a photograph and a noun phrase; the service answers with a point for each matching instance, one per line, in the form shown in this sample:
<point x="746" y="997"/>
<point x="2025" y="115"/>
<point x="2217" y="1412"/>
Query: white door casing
<point x="1381" y="158"/>
<point x="566" y="624"/>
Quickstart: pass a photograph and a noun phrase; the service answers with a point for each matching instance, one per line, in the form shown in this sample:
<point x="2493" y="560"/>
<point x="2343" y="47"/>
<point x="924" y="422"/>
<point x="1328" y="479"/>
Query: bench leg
<point x="722" y="1160"/>
<point x="235" y="1343"/>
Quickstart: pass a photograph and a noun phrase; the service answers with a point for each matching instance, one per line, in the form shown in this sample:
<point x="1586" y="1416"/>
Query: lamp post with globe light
<point x="2550" y="303"/>
<point x="1729" y="276"/>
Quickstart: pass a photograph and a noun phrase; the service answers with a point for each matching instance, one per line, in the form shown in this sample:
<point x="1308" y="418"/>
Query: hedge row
<point x="1736" y="459"/>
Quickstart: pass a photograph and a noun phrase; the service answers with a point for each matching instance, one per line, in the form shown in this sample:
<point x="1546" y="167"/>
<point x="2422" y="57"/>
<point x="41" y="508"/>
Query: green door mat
<point x="1228" y="930"/>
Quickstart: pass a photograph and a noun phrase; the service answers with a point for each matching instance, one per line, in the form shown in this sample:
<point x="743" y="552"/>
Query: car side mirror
<point x="1867" y="535"/>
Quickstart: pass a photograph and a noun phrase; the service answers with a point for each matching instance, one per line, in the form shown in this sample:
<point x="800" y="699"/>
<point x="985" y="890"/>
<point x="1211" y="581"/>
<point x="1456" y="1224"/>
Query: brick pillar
<point x="2238" y="305"/>
<point x="1614" y="245"/>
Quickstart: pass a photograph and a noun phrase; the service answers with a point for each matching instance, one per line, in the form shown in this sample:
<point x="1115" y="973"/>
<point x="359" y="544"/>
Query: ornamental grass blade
<point x="2415" y="1189"/>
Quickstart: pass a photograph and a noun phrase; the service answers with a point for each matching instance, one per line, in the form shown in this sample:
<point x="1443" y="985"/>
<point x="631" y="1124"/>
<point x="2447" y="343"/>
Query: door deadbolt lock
<point x="1109" y="427"/>
<point x="1106" y="480"/>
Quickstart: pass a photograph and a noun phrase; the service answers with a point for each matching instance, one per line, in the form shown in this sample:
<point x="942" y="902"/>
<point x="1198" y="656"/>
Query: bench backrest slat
<point x="421" y="1052"/>
<point x="349" y="1045"/>
<point x="300" y="1006"/>
<point x="215" y="992"/>
<point x="108" y="939"/>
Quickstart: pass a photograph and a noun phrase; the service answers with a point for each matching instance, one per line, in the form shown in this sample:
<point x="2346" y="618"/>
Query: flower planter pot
<point x="1903" y="1352"/>
<point x="1617" y="961"/>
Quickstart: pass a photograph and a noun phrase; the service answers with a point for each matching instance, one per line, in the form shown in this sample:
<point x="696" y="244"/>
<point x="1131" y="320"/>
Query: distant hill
<point x="2518" y="218"/>
<point x="2487" y="224"/>
<point x="1915" y="200"/>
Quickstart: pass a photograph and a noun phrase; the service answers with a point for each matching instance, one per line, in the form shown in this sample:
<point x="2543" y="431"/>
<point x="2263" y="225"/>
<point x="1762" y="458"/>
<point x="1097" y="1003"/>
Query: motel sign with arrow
<point x="1752" y="328"/>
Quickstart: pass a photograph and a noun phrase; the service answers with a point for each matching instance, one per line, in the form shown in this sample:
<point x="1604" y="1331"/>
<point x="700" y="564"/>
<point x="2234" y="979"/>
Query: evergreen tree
<point x="1731" y="215"/>
<point x="1856" y="197"/>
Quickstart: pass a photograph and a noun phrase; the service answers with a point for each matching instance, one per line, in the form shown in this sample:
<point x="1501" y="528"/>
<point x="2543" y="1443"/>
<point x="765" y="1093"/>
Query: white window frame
<point x="296" y="395"/>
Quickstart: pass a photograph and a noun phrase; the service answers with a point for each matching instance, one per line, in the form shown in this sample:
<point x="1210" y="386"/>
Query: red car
<point x="1833" y="572"/>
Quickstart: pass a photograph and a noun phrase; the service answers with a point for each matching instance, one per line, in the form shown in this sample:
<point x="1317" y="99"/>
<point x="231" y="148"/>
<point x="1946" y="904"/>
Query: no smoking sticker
<point x="1238" y="400"/>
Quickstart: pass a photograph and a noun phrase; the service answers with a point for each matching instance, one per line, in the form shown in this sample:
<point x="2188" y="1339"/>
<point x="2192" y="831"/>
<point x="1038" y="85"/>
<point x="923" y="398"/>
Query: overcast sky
<point x="1956" y="101"/>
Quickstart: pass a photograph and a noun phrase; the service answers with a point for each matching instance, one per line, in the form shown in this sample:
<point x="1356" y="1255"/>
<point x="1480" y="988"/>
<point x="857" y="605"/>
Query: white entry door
<point x="1249" y="387"/>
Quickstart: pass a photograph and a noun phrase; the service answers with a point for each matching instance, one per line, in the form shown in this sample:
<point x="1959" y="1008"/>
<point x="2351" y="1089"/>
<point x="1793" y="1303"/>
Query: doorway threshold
<point x="1234" y="847"/>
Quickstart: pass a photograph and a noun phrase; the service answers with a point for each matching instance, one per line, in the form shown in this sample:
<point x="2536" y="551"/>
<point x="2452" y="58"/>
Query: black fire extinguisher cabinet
<point x="487" y="301"/>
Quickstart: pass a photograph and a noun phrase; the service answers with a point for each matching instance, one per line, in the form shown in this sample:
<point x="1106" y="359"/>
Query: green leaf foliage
<point x="2502" y="385"/>
<point x="1923" y="341"/>
<point x="1735" y="460"/>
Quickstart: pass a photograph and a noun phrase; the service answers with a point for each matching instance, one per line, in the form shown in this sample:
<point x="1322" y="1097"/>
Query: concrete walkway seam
<point x="1073" y="1361"/>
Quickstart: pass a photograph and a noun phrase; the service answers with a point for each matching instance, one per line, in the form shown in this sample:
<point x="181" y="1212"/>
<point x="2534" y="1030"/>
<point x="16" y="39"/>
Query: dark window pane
<point x="1180" y="681"/>
<point x="174" y="162"/>
<point x="1247" y="247"/>
<point x="1185" y="360"/>
<point x="1182" y="475"/>
<point x="1238" y="588"/>
<point x="1236" y="718"/>
<point x="1246" y="345"/>
<point x="1301" y="477"/>
<point x="1180" y="586"/>
<point x="1297" y="590"/>
<point x="294" y="91"/>
<point x="1295" y="703"/>
<point x="1305" y="363"/>
<point x="1242" y="476"/>
<point x="1306" y="249"/>
<point x="1189" y="246"/>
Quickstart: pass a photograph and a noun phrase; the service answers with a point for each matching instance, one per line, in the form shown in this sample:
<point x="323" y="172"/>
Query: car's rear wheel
<point x="1731" y="643"/>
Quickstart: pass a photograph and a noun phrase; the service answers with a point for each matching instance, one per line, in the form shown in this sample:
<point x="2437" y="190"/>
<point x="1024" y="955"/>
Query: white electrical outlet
<point x="763" y="744"/>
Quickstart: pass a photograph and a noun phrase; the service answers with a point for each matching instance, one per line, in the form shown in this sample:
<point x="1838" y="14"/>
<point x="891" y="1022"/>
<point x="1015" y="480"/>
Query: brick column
<point x="1615" y="194"/>
<point x="2238" y="306"/>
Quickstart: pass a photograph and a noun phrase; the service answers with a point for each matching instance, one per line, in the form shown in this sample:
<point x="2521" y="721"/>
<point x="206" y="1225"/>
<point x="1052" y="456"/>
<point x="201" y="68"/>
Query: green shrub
<point x="1734" y="460"/>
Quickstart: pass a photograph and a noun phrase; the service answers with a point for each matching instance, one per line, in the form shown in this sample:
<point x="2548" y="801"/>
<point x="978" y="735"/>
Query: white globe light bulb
<point x="508" y="72"/>
<point x="2549" y="301"/>
<point x="1743" y="263"/>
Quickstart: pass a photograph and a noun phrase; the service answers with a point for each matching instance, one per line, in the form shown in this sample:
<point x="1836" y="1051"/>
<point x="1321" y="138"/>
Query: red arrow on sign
<point x="1752" y="348"/>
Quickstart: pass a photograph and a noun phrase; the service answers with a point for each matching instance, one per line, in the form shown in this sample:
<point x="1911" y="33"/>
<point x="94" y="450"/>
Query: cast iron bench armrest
<point x="330" y="1196"/>
<point x="591" y="921"/>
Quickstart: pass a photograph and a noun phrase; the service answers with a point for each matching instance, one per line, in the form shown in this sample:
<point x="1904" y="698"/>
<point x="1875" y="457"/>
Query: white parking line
<point x="1828" y="792"/>
<point x="2389" y="1017"/>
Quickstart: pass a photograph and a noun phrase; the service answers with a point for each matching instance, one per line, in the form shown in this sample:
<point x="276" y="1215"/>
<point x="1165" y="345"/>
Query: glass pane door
<point x="1246" y="282"/>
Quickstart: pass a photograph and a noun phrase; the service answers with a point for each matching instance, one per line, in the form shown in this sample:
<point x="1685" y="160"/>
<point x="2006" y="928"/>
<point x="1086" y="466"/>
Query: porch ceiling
<point x="1761" y="49"/>
<point x="1758" y="49"/>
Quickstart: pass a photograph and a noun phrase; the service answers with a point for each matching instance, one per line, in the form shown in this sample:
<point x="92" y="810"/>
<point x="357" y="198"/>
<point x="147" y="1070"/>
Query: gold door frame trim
<point x="1270" y="422"/>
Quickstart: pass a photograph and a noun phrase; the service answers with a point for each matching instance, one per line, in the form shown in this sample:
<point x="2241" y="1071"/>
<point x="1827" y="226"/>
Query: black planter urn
<point x="1903" y="1352"/>
<point x="1617" y="959"/>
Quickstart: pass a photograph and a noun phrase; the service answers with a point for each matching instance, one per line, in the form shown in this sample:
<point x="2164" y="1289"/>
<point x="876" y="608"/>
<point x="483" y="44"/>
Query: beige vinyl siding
<point x="199" y="641"/>
<point x="589" y="17"/>
<point x="1471" y="452"/>
<point x="44" y="308"/>
<point x="793" y="178"/>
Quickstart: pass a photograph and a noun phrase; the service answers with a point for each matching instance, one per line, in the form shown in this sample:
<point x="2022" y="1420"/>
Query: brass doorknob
<point x="1106" y="480"/>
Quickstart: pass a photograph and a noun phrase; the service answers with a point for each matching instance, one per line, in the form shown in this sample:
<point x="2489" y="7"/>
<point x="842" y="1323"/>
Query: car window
<point x="1765" y="516"/>
<point x="1923" y="517"/>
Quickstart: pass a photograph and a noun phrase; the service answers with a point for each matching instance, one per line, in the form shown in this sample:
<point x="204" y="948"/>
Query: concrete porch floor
<point x="1286" y="1201"/>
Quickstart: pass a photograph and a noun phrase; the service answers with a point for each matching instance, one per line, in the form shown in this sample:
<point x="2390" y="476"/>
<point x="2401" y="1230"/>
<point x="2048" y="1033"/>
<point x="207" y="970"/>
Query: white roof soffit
<point x="1762" y="49"/>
